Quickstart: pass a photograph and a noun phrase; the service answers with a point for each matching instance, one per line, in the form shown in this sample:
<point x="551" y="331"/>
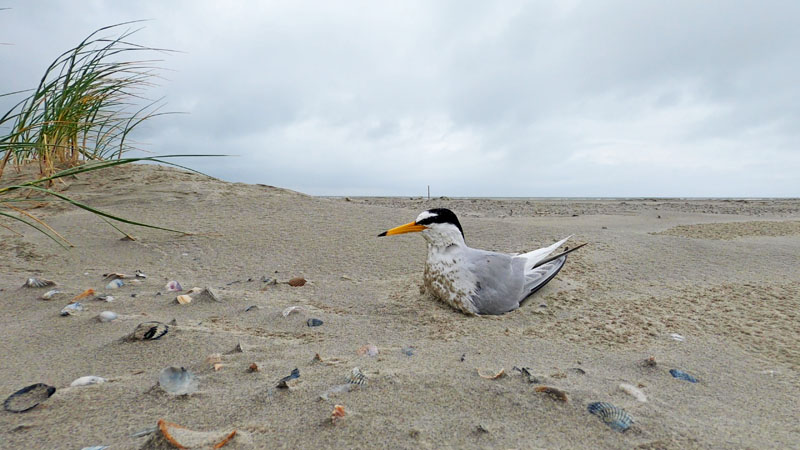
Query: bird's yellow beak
<point x="407" y="228"/>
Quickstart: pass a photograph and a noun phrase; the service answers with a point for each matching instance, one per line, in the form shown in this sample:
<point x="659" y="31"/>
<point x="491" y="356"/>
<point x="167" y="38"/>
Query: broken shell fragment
<point x="297" y="282"/>
<point x="50" y="294"/>
<point x="556" y="393"/>
<point x="149" y="331"/>
<point x="611" y="415"/>
<point x="183" y="299"/>
<point x="253" y="368"/>
<point x="115" y="283"/>
<point x="38" y="283"/>
<point x="338" y="413"/>
<point x="83" y="295"/>
<point x="313" y="322"/>
<point x="677" y="337"/>
<point x="681" y="375"/>
<point x="282" y="383"/>
<point x="87" y="380"/>
<point x="634" y="391"/>
<point x="173" y="286"/>
<point x="177" y="381"/>
<point x="369" y="350"/>
<point x="490" y="376"/>
<point x="357" y="377"/>
<point x="172" y="435"/>
<point x="72" y="309"/>
<point x="291" y="309"/>
<point x="28" y="397"/>
<point x="214" y="358"/>
<point x="107" y="316"/>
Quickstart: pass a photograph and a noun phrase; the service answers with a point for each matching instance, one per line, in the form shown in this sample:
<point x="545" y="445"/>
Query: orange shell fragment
<point x="495" y="376"/>
<point x="557" y="394"/>
<point x="164" y="427"/>
<point x="297" y="282"/>
<point x="83" y="294"/>
<point x="338" y="413"/>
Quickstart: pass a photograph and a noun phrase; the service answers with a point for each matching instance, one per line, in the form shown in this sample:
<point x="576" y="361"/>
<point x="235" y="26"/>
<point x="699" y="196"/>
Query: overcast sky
<point x="474" y="98"/>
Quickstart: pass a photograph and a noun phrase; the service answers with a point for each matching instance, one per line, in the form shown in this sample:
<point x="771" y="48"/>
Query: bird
<point x="474" y="281"/>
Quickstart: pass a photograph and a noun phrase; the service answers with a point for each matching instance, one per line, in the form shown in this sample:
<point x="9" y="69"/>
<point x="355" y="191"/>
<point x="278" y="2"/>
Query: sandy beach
<point x="709" y="287"/>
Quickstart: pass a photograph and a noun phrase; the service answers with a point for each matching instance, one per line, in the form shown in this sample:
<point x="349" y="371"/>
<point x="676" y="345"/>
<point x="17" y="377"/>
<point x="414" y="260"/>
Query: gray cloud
<point x="576" y="98"/>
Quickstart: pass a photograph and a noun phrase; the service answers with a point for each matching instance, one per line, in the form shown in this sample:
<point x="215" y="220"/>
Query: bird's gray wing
<point x="535" y="279"/>
<point x="499" y="280"/>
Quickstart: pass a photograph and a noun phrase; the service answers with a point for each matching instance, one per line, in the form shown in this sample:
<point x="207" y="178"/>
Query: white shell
<point x="634" y="391"/>
<point x="677" y="337"/>
<point x="106" y="316"/>
<point x="113" y="284"/>
<point x="87" y="380"/>
<point x="50" y="294"/>
<point x="291" y="309"/>
<point x="72" y="308"/>
<point x="183" y="299"/>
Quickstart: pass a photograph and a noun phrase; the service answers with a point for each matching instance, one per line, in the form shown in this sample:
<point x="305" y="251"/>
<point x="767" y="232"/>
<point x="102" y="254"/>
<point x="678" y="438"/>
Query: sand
<point x="722" y="274"/>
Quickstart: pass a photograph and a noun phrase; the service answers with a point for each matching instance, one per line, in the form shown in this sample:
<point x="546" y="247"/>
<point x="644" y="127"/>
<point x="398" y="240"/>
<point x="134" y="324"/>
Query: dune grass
<point x="78" y="119"/>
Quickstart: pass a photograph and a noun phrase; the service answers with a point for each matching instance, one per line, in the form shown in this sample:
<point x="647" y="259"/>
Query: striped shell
<point x="38" y="283"/>
<point x="149" y="331"/>
<point x="681" y="375"/>
<point x="613" y="416"/>
<point x="28" y="397"/>
<point x="357" y="377"/>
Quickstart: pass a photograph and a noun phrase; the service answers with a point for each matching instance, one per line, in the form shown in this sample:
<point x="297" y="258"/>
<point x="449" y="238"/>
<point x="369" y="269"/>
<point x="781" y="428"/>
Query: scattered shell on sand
<point x="650" y="362"/>
<point x="105" y="298"/>
<point x="526" y="372"/>
<point x="114" y="284"/>
<point x="214" y="358"/>
<point x="408" y="351"/>
<point x="611" y="415"/>
<point x="49" y="295"/>
<point x="297" y="282"/>
<point x="72" y="309"/>
<point x="338" y="413"/>
<point x="681" y="375"/>
<point x="286" y="382"/>
<point x="491" y="376"/>
<point x="357" y="377"/>
<point x="253" y="368"/>
<point x="292" y="309"/>
<point x="173" y="286"/>
<point x="183" y="299"/>
<point x="313" y="322"/>
<point x="633" y="391"/>
<point x="107" y="316"/>
<point x="677" y="337"/>
<point x="369" y="350"/>
<point x="172" y="435"/>
<point x="149" y="331"/>
<point x="82" y="295"/>
<point x="177" y="381"/>
<point x="555" y="393"/>
<point x="28" y="397"/>
<point x="38" y="283"/>
<point x="87" y="380"/>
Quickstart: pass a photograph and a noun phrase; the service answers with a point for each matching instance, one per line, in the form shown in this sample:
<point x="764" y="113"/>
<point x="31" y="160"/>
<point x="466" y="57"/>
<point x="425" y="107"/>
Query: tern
<point x="477" y="281"/>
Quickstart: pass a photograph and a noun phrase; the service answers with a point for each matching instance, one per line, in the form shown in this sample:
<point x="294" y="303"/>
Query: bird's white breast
<point x="447" y="278"/>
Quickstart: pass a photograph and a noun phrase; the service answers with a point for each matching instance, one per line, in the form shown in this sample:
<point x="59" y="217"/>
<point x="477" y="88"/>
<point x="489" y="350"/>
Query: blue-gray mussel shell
<point x="149" y="331"/>
<point x="28" y="398"/>
<point x="177" y="380"/>
<point x="295" y="374"/>
<point x="613" y="416"/>
<point x="681" y="375"/>
<point x="313" y="322"/>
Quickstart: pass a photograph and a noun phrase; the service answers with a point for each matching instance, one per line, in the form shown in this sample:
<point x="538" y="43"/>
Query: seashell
<point x="50" y="294"/>
<point x="611" y="415"/>
<point x="297" y="282"/>
<point x="338" y="413"/>
<point x="149" y="331"/>
<point x="634" y="391"/>
<point x="83" y="295"/>
<point x="292" y="309"/>
<point x="116" y="283"/>
<point x="172" y="435"/>
<point x="72" y="309"/>
<point x="214" y="358"/>
<point x="38" y="283"/>
<point x="282" y="383"/>
<point x="177" y="381"/>
<point x="369" y="350"/>
<point x="681" y="375"/>
<point x="526" y="372"/>
<point x="408" y="351"/>
<point x="313" y="322"/>
<point x="173" y="286"/>
<point x="557" y="394"/>
<point x="28" y="397"/>
<point x="139" y="274"/>
<point x="253" y="368"/>
<point x="107" y="316"/>
<point x="650" y="362"/>
<point x="87" y="380"/>
<point x="105" y="298"/>
<point x="183" y="299"/>
<point x="495" y="376"/>
<point x="356" y="377"/>
<point x="218" y="366"/>
<point x="115" y="275"/>
<point x="252" y="308"/>
<point x="677" y="337"/>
